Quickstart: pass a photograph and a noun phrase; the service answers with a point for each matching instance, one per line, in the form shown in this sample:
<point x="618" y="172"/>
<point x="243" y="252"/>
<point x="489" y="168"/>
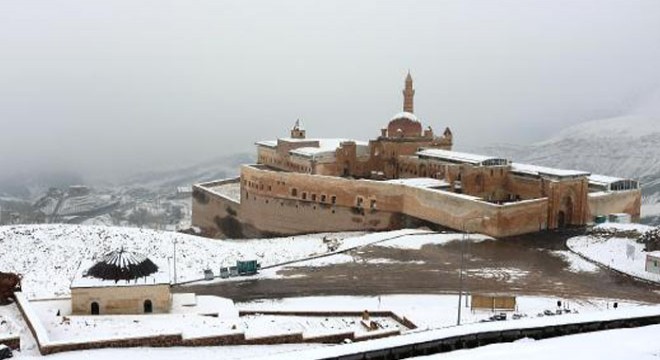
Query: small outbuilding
<point x="122" y="282"/>
<point x="653" y="262"/>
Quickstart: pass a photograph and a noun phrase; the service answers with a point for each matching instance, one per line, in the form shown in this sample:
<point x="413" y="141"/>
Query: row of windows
<point x="261" y="186"/>
<point x="434" y="171"/>
<point x="289" y="164"/>
<point x="257" y="186"/>
<point x="147" y="307"/>
<point x="313" y="197"/>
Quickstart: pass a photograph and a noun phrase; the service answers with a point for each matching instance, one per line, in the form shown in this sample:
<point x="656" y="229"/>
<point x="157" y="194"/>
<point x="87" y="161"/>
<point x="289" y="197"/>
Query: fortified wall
<point x="407" y="176"/>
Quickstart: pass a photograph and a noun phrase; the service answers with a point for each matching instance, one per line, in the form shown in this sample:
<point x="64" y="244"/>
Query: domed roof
<point x="405" y="115"/>
<point x="122" y="265"/>
<point x="404" y="124"/>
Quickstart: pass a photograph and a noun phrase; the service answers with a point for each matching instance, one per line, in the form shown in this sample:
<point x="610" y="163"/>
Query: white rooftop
<point x="456" y="156"/>
<point x="267" y="143"/>
<point x="327" y="148"/>
<point x="654" y="253"/>
<point x="542" y="170"/>
<point x="603" y="179"/>
<point x="420" y="182"/>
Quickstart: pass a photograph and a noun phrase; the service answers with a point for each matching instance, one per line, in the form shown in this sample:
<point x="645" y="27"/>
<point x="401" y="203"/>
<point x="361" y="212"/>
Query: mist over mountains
<point x="627" y="146"/>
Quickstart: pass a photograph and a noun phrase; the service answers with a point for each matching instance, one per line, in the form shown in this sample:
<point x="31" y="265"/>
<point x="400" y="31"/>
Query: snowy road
<point x="527" y="265"/>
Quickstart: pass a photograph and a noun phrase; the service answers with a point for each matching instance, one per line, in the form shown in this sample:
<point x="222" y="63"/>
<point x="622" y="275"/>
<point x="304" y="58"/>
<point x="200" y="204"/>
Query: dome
<point x="407" y="123"/>
<point x="405" y="115"/>
<point x="122" y="265"/>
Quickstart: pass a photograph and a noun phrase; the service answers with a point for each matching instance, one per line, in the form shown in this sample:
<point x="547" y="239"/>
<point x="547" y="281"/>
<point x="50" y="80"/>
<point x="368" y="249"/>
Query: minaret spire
<point x="408" y="94"/>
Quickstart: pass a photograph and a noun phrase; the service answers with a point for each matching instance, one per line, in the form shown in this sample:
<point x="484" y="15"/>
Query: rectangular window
<point x="323" y="198"/>
<point x="304" y="196"/>
<point x="294" y="192"/>
<point x="359" y="201"/>
<point x="372" y="204"/>
<point x="333" y="199"/>
<point x="313" y="197"/>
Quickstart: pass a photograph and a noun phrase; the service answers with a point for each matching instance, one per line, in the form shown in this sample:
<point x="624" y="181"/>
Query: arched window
<point x="148" y="307"/>
<point x="95" y="308"/>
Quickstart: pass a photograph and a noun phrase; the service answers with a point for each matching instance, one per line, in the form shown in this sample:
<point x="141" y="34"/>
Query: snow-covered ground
<point x="575" y="262"/>
<point x="48" y="256"/>
<point x="427" y="311"/>
<point x="620" y="344"/>
<point x="417" y="242"/>
<point x="192" y="321"/>
<point x="613" y="251"/>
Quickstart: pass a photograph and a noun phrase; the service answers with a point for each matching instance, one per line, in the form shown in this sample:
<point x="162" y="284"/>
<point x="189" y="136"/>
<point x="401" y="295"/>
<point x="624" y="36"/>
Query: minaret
<point x="298" y="131"/>
<point x="408" y="94"/>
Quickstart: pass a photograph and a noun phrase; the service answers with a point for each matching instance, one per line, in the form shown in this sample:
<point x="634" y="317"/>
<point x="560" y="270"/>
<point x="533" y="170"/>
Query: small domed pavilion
<point x="122" y="282"/>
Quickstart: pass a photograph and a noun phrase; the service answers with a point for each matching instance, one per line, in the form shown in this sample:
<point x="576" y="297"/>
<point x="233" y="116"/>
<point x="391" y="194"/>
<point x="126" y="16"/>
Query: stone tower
<point x="408" y="94"/>
<point x="298" y="131"/>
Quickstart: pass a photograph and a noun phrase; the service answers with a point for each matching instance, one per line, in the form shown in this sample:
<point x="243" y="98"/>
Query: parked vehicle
<point x="5" y="352"/>
<point x="247" y="267"/>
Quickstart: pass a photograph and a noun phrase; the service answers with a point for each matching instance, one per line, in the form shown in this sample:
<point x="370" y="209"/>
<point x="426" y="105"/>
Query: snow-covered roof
<point x="405" y="115"/>
<point x="655" y="254"/>
<point x="603" y="179"/>
<point x="327" y="148"/>
<point x="267" y="143"/>
<point x="461" y="157"/>
<point x="613" y="183"/>
<point x="536" y="170"/>
<point x="420" y="182"/>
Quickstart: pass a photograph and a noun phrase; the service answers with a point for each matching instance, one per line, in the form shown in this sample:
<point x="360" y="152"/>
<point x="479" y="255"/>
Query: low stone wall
<point x="401" y="320"/>
<point x="216" y="340"/>
<point x="295" y="338"/>
<point x="147" y="341"/>
<point x="46" y="346"/>
<point x="12" y="341"/>
<point x="441" y="344"/>
<point x="605" y="203"/>
<point x="331" y="338"/>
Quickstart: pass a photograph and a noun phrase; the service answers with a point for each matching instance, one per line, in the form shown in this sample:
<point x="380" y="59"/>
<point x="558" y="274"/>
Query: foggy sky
<point x="114" y="87"/>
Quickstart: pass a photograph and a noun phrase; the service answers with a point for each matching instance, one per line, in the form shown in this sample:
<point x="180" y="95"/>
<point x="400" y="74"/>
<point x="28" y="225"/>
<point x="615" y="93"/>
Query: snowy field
<point x="613" y="252"/>
<point x="191" y="322"/>
<point x="621" y="344"/>
<point x="575" y="262"/>
<point x="49" y="255"/>
<point x="186" y="318"/>
<point x="427" y="311"/>
<point x="430" y="311"/>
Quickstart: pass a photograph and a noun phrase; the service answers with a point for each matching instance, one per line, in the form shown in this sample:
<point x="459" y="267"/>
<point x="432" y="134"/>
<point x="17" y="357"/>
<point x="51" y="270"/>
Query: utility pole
<point x="460" y="277"/>
<point x="174" y="261"/>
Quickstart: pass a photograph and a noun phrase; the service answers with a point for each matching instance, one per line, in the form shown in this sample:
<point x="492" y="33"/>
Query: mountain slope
<point x="627" y="146"/>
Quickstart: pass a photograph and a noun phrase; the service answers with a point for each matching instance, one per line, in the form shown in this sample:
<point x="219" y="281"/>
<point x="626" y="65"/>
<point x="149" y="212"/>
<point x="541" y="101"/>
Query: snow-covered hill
<point x="627" y="146"/>
<point x="218" y="168"/>
<point x="49" y="255"/>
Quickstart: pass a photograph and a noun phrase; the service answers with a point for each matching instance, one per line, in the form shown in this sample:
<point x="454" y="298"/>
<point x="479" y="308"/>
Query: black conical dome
<point x="122" y="265"/>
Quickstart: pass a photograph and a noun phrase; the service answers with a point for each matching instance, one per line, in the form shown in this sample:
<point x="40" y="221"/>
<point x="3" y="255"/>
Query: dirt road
<point x="523" y="265"/>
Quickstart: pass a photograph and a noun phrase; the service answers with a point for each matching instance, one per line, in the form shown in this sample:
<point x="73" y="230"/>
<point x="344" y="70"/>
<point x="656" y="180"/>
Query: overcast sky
<point x="112" y="87"/>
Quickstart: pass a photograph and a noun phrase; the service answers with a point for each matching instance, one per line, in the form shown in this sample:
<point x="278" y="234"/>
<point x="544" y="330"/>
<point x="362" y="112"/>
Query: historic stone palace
<point x="407" y="176"/>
